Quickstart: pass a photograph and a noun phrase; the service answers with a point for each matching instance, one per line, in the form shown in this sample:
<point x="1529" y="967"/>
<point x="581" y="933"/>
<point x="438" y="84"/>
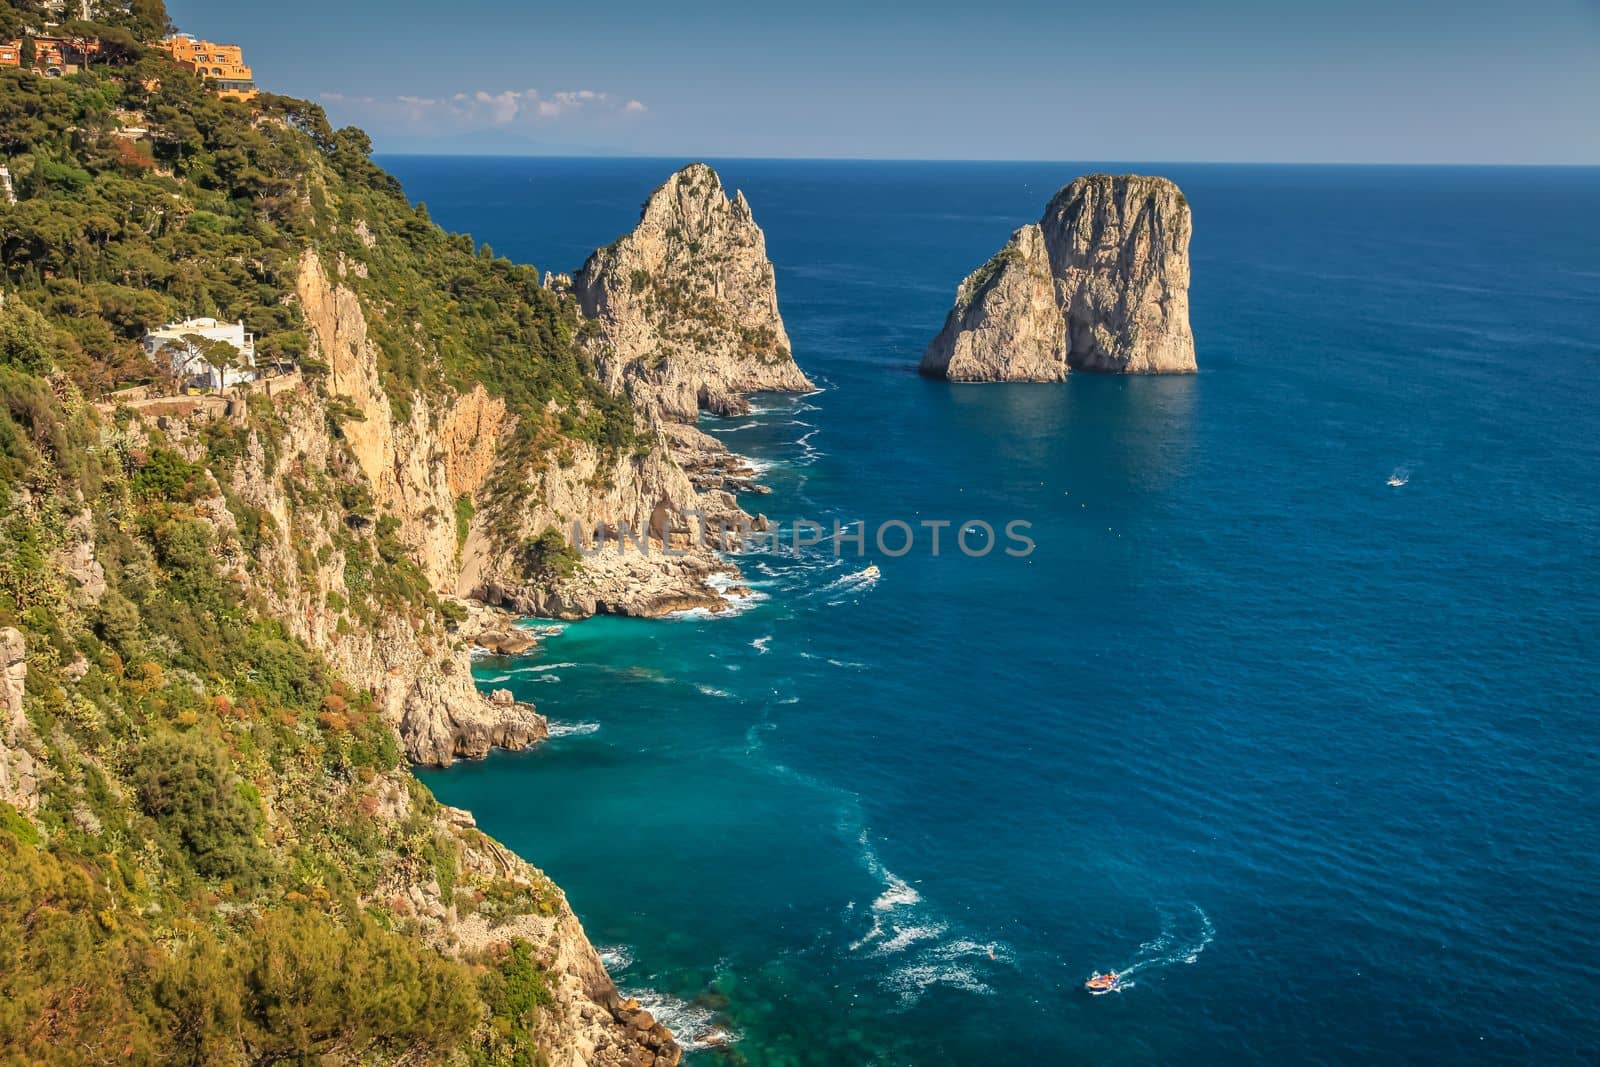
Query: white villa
<point x="174" y="343"/>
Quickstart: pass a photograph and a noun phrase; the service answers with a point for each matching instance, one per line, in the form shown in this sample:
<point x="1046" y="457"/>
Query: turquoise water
<point x="1316" y="757"/>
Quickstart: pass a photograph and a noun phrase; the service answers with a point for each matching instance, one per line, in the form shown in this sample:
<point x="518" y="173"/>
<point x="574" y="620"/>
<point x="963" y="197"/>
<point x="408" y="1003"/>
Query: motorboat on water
<point x="872" y="571"/>
<point x="1099" y="984"/>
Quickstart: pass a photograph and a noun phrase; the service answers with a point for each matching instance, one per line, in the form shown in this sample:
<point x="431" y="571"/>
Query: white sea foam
<point x="539" y="668"/>
<point x="736" y="603"/>
<point x="712" y="691"/>
<point x="897" y="893"/>
<point x="997" y="951"/>
<point x="694" y="1026"/>
<point x="753" y="742"/>
<point x="496" y="678"/>
<point x="572" y="729"/>
<point x="615" y="957"/>
<point x="761" y="644"/>
<point x="692" y="613"/>
<point x="906" y="936"/>
<point x="914" y="979"/>
<point x="1180" y="941"/>
<point x="855" y="582"/>
<point x="759" y="466"/>
<point x="874" y="932"/>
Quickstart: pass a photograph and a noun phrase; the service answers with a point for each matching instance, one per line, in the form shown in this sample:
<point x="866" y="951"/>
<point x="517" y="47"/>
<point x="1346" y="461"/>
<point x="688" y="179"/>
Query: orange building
<point x="222" y="65"/>
<point x="53" y="57"/>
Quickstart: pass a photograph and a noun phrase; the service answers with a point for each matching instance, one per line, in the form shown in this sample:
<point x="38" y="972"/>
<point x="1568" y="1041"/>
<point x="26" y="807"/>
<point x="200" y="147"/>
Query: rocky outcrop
<point x="19" y="784"/>
<point x="1005" y="326"/>
<point x="586" y="1022"/>
<point x="1101" y="283"/>
<point x="686" y="305"/>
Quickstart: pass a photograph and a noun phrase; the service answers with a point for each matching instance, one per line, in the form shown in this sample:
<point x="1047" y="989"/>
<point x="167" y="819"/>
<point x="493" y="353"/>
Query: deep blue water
<point x="1316" y="756"/>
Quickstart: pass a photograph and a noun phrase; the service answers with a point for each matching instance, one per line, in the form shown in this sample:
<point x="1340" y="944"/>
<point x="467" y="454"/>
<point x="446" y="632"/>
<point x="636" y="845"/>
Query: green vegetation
<point x="210" y="215"/>
<point x="549" y="555"/>
<point x="985" y="276"/>
<point x="222" y="819"/>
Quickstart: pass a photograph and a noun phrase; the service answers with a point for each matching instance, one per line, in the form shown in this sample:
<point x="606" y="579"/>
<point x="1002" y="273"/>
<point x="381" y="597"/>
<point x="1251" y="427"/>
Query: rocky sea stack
<point x="686" y="306"/>
<point x="1100" y="283"/>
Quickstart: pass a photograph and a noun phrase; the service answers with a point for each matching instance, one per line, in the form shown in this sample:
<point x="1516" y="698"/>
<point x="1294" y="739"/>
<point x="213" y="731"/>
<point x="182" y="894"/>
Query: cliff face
<point x="1101" y="283"/>
<point x="225" y="622"/>
<point x="587" y="1022"/>
<point x="18" y="785"/>
<point x="686" y="305"/>
<point x="422" y="682"/>
<point x="1005" y="325"/>
<point x="418" y="465"/>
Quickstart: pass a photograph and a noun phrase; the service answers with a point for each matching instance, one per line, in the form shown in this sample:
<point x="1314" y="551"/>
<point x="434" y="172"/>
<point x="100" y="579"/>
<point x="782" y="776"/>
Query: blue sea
<point x="1314" y="758"/>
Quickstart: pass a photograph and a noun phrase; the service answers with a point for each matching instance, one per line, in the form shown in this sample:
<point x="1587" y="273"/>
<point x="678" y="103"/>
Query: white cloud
<point x="488" y="108"/>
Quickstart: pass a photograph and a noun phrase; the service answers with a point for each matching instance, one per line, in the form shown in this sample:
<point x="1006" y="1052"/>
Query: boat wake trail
<point x="915" y="947"/>
<point x="1183" y="936"/>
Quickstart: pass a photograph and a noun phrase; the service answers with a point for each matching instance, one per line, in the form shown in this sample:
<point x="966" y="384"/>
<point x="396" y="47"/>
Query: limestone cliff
<point x="588" y="1023"/>
<point x="18" y="782"/>
<point x="299" y="555"/>
<point x="686" y="305"/>
<point x="1005" y="325"/>
<point x="645" y="491"/>
<point x="225" y="620"/>
<point x="417" y="465"/>
<point x="1100" y="283"/>
<point x="447" y="448"/>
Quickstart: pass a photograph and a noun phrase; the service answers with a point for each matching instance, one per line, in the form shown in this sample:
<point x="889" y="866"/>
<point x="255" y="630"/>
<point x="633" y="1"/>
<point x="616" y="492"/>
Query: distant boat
<point x="1400" y="477"/>
<point x="1099" y="984"/>
<point x="872" y="571"/>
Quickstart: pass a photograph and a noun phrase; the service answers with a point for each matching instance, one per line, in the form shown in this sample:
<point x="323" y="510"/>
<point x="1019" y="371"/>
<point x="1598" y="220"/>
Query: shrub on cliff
<point x="186" y="785"/>
<point x="549" y="555"/>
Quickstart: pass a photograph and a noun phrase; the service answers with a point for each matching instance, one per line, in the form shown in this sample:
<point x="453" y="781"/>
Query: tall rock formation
<point x="1100" y="283"/>
<point x="686" y="306"/>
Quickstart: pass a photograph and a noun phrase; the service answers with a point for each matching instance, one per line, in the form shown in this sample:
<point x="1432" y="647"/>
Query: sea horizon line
<point x="691" y="157"/>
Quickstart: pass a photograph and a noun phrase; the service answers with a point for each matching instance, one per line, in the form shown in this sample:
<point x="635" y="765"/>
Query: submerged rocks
<point x="686" y="305"/>
<point x="1100" y="283"/>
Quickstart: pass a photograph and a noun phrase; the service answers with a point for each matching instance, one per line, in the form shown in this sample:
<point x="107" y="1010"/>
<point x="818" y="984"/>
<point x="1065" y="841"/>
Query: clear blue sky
<point x="1396" y="81"/>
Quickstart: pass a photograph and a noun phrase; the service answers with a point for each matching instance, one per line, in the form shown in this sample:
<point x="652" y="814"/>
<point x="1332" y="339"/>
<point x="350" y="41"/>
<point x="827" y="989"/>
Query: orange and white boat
<point x="1099" y="984"/>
